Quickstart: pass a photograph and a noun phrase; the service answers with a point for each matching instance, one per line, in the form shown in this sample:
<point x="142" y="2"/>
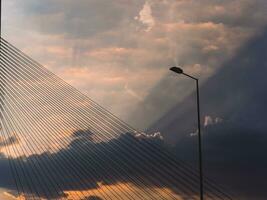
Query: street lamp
<point x="180" y="71"/>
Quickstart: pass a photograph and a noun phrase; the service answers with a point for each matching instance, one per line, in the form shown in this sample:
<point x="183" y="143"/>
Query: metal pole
<point x="201" y="185"/>
<point x="199" y="146"/>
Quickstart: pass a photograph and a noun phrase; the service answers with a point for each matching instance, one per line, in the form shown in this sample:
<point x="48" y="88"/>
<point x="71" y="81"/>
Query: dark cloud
<point x="234" y="156"/>
<point x="234" y="148"/>
<point x="83" y="164"/>
<point x="6" y="174"/>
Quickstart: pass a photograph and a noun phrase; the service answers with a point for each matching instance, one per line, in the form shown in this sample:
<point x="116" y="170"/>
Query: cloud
<point x="233" y="155"/>
<point x="156" y="136"/>
<point x="6" y="174"/>
<point x="104" y="37"/>
<point x="8" y="141"/>
<point x="84" y="164"/>
<point x="145" y="16"/>
<point x="9" y="196"/>
<point x="78" y="19"/>
<point x="208" y="120"/>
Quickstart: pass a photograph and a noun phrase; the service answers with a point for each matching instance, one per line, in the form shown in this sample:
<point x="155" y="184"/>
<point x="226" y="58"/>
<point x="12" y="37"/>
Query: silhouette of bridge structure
<point x="60" y="144"/>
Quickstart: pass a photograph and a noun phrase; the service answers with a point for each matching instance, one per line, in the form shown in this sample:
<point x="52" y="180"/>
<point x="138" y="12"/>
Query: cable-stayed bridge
<point x="60" y="144"/>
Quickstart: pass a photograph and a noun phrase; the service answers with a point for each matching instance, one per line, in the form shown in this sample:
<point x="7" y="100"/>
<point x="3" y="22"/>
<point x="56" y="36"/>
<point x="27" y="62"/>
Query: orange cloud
<point x="123" y="190"/>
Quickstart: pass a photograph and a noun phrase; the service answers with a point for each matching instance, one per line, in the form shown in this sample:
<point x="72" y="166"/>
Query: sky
<point x="118" y="53"/>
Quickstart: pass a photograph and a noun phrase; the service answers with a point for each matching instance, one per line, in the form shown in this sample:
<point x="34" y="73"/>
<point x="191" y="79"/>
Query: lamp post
<point x="180" y="71"/>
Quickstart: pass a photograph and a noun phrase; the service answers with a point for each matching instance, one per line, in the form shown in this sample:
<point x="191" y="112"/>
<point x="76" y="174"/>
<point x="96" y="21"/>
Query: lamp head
<point x="177" y="70"/>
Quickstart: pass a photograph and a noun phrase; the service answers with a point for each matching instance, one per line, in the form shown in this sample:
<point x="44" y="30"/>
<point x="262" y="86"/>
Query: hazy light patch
<point x="132" y="93"/>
